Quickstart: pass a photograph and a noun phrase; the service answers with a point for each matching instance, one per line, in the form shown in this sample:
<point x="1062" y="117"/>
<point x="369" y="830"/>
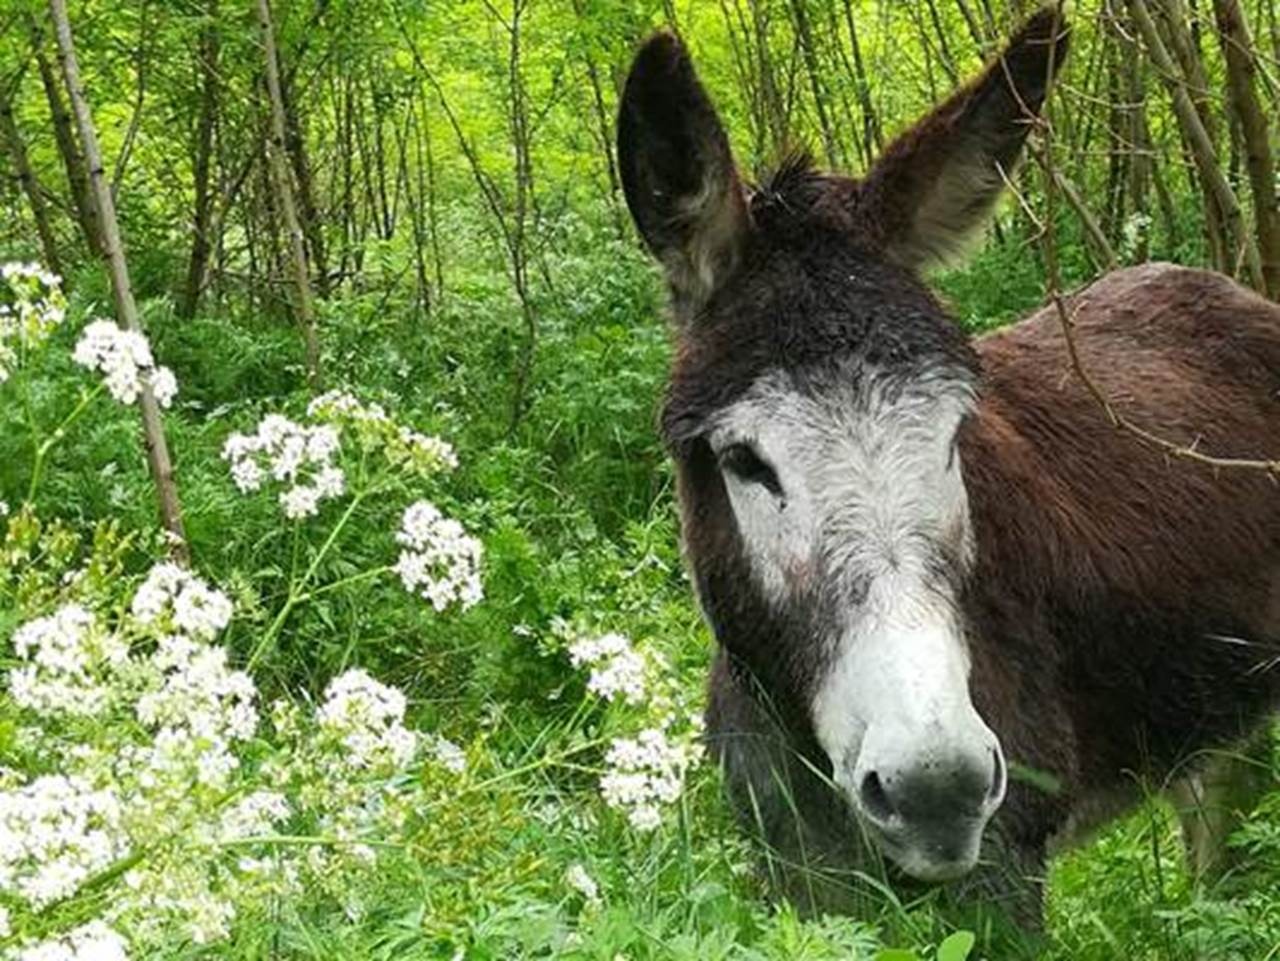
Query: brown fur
<point x="1126" y="569"/>
<point x="1122" y="612"/>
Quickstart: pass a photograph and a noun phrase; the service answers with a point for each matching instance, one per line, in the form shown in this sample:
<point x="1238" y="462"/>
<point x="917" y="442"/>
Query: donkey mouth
<point x="933" y="853"/>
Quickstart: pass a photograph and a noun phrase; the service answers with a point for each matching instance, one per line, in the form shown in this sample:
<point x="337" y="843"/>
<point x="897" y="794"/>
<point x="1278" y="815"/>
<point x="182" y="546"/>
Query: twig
<point x="1049" y="247"/>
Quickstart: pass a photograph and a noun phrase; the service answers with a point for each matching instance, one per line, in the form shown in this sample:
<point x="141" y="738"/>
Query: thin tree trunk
<point x="604" y="129"/>
<point x="1201" y="146"/>
<point x="276" y="155"/>
<point x="872" y="133"/>
<point x="809" y="52"/>
<point x="121" y="289"/>
<point x="416" y="186"/>
<point x="209" y="49"/>
<point x="1118" y="153"/>
<point x="1183" y="44"/>
<point x="1238" y="51"/>
<point x="348" y="174"/>
<point x="140" y="64"/>
<point x="432" y="214"/>
<point x="11" y="137"/>
<point x="387" y="220"/>
<point x="944" y="49"/>
<point x="68" y="148"/>
<point x="1099" y="247"/>
<point x="980" y="37"/>
<point x="520" y="146"/>
<point x="1142" y="151"/>
<point x="776" y="114"/>
<point x="295" y="149"/>
<point x="747" y="78"/>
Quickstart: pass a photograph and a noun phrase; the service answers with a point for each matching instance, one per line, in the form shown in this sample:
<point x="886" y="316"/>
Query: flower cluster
<point x="171" y="794"/>
<point x="618" y="670"/>
<point x="447" y="754"/>
<point x="644" y="773"/>
<point x="66" y="659"/>
<point x="424" y="454"/>
<point x="366" y="718"/>
<point x="439" y="561"/>
<point x="125" y="361"/>
<point x="32" y="306"/>
<point x="174" y="599"/>
<point x="55" y="834"/>
<point x="349" y="777"/>
<point x="196" y="702"/>
<point x="94" y="941"/>
<point x="290" y="453"/>
<point x="580" y="882"/>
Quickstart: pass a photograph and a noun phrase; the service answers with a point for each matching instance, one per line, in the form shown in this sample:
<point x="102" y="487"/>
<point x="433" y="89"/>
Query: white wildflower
<point x="617" y="669"/>
<point x="367" y="718"/>
<point x="429" y="450"/>
<point x="125" y="361"/>
<point x="247" y="474"/>
<point x="55" y="834"/>
<point x="66" y="657"/>
<point x="644" y="773"/>
<point x="448" y="755"/>
<point x="175" y="897"/>
<point x="171" y="594"/>
<point x="164" y="385"/>
<point x="199" y="693"/>
<point x="429" y="455"/>
<point x="577" y="879"/>
<point x="343" y="403"/>
<point x="32" y="306"/>
<point x="94" y="941"/>
<point x="253" y="816"/>
<point x="440" y="562"/>
<point x="300" y="501"/>
<point x="299" y="456"/>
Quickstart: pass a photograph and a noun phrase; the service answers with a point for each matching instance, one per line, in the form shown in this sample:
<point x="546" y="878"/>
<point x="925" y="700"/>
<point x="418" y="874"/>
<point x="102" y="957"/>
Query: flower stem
<point x="347" y="582"/>
<point x="42" y="448"/>
<point x="297" y="593"/>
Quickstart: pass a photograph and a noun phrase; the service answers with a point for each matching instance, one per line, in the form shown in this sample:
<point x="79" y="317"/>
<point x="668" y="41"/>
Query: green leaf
<point x="897" y="954"/>
<point x="956" y="947"/>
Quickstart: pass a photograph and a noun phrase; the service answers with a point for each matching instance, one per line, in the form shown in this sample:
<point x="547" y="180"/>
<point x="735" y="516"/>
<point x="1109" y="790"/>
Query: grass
<point x="576" y="511"/>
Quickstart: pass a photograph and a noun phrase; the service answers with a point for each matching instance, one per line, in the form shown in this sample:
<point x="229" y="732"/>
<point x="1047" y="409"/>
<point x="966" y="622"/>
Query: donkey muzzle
<point x="926" y="793"/>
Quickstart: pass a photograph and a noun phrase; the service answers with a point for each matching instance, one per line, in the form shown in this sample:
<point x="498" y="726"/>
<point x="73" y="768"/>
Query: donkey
<point x="959" y="615"/>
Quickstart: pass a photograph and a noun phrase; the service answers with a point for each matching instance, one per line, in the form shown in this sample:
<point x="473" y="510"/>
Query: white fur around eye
<point x="869" y="481"/>
<point x="775" y="528"/>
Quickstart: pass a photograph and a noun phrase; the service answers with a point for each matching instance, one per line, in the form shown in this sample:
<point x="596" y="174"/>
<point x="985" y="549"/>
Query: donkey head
<point x="813" y="412"/>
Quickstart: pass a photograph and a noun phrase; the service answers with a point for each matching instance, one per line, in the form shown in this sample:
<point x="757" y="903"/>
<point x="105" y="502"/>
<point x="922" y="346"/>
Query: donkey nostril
<point x="875" y="801"/>
<point x="997" y="777"/>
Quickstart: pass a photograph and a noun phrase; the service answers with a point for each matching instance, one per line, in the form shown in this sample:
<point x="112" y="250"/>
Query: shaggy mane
<point x="790" y="186"/>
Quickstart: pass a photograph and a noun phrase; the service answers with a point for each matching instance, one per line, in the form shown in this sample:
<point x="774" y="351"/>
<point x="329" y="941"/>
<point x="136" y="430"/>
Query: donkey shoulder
<point x="1152" y="319"/>
<point x="1188" y="355"/>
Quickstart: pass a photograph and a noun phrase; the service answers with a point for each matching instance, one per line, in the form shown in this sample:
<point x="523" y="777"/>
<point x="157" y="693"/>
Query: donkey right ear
<point x="678" y="173"/>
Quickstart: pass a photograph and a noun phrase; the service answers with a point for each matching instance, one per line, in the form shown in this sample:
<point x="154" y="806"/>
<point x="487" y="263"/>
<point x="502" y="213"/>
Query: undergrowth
<point x="517" y="855"/>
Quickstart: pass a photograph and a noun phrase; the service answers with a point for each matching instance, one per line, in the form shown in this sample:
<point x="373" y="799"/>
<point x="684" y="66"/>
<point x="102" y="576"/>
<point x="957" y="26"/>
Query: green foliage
<point x="573" y="502"/>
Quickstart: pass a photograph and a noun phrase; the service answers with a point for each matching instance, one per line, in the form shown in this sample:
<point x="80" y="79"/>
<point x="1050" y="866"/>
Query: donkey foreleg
<point x="1214" y="799"/>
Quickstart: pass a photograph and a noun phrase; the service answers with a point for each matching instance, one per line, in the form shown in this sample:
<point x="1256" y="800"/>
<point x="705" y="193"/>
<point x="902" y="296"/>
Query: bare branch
<point x="1049" y="248"/>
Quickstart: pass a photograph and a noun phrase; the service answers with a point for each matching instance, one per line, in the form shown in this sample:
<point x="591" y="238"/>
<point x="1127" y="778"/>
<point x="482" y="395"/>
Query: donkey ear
<point x="678" y="173"/>
<point x="935" y="186"/>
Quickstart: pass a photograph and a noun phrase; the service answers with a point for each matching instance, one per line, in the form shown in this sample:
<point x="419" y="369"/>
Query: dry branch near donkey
<point x="929" y="560"/>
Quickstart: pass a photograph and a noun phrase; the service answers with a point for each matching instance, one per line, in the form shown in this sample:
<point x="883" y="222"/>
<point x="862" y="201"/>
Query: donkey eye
<point x="744" y="463"/>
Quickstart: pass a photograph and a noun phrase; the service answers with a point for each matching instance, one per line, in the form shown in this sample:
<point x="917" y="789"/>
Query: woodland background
<point x="420" y="201"/>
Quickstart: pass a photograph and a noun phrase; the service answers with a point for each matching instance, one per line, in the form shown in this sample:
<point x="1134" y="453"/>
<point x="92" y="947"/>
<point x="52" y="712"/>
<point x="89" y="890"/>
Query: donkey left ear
<point x="678" y="173"/>
<point x="935" y="186"/>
